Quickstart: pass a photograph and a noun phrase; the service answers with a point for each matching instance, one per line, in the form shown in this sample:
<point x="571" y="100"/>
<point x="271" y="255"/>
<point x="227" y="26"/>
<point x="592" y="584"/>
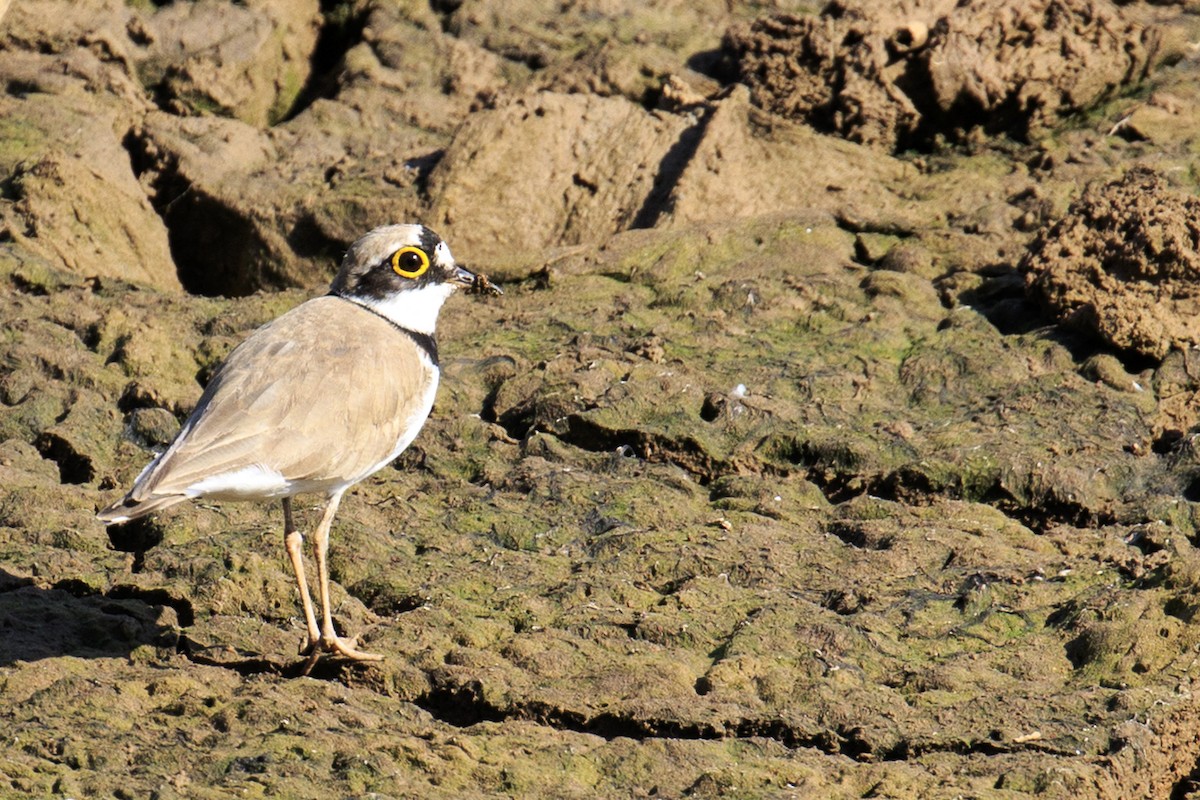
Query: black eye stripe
<point x="367" y="272"/>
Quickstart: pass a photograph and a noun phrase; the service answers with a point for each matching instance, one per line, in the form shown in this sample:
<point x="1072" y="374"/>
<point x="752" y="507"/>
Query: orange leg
<point x="329" y="640"/>
<point x="293" y="541"/>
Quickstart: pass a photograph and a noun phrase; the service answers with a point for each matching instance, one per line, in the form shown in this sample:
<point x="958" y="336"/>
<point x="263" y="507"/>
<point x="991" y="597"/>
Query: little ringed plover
<point x="317" y="400"/>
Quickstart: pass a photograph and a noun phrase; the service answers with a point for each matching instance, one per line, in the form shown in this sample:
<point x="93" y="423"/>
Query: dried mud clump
<point x="1123" y="265"/>
<point x="900" y="76"/>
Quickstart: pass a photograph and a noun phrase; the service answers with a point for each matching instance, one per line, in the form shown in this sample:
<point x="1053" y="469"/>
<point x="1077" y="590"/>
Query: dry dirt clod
<point x="899" y="76"/>
<point x="1124" y="265"/>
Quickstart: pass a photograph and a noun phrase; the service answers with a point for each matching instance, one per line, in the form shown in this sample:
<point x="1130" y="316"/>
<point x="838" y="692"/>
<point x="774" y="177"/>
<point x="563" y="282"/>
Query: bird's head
<point x="404" y="272"/>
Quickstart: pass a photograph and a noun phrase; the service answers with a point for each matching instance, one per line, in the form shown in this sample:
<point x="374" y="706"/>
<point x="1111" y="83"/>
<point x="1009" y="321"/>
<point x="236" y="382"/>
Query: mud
<point x="1135" y="239"/>
<point x="907" y="75"/>
<point x="785" y="466"/>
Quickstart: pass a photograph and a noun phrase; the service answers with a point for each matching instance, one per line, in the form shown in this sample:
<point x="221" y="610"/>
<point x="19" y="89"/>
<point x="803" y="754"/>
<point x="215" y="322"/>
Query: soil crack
<point x="685" y="453"/>
<point x="659" y="201"/>
<point x="837" y="480"/>
<point x="464" y="705"/>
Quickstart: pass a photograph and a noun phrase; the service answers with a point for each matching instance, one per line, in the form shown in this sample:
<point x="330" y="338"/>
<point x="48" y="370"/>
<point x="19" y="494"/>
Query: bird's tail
<point x="128" y="509"/>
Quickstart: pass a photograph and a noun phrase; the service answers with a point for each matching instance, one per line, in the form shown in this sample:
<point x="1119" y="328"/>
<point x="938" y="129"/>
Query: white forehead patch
<point x="441" y="254"/>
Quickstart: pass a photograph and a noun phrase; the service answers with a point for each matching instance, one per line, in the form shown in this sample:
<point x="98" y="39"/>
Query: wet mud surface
<point x="809" y="452"/>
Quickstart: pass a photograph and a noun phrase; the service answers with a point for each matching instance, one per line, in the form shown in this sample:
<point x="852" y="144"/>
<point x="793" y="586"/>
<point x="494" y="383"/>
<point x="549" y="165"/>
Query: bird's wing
<point x="323" y="393"/>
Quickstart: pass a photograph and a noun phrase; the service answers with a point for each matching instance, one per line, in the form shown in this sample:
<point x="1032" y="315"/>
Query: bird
<point x="315" y="401"/>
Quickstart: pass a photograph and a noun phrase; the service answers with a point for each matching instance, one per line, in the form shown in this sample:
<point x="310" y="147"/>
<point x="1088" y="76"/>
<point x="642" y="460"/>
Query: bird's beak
<point x="475" y="283"/>
<point x="462" y="277"/>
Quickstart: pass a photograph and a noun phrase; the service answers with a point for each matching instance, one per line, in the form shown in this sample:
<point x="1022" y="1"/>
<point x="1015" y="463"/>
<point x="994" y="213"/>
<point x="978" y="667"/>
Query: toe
<point x="346" y="648"/>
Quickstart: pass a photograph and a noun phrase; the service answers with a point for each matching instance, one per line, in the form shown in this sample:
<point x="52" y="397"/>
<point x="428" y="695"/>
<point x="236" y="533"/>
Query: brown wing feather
<point x="295" y="395"/>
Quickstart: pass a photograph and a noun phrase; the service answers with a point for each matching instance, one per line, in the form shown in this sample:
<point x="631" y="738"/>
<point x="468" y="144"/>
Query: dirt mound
<point x="718" y="160"/>
<point x="1124" y="266"/>
<point x="250" y="61"/>
<point x="900" y="76"/>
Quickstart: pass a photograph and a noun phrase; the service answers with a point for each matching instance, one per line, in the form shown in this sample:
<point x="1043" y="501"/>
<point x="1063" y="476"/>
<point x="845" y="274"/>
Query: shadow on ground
<point x="71" y="620"/>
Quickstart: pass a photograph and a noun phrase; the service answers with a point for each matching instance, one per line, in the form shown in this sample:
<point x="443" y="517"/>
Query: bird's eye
<point x="410" y="262"/>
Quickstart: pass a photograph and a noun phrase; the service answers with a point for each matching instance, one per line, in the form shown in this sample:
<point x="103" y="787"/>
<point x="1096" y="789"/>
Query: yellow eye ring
<point x="410" y="262"/>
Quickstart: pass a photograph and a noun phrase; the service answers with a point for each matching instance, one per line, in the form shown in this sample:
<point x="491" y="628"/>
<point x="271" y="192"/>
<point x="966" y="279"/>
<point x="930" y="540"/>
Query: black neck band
<point x="424" y="341"/>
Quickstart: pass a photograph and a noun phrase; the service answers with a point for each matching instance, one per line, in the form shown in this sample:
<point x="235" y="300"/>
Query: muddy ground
<point x="835" y="435"/>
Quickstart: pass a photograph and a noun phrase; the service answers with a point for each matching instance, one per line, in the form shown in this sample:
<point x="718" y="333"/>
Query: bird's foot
<point x="337" y="646"/>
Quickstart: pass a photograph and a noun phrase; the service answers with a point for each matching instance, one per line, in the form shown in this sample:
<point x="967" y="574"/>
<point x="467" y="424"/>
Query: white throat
<point x="413" y="309"/>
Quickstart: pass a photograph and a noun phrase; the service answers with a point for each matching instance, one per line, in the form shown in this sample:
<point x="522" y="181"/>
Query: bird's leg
<point x="330" y="641"/>
<point x="293" y="541"/>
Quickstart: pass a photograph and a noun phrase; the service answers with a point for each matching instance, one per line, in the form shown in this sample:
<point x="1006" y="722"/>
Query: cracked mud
<point x="784" y="467"/>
